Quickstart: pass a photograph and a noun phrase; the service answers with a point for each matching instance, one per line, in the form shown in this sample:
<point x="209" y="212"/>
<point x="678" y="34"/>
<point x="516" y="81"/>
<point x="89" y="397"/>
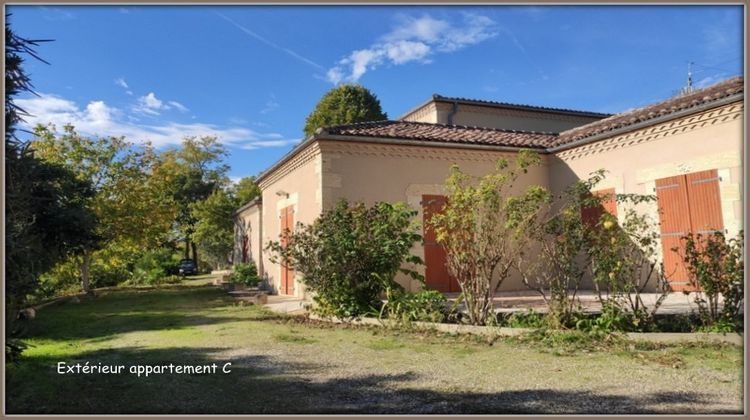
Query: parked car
<point x="188" y="268"/>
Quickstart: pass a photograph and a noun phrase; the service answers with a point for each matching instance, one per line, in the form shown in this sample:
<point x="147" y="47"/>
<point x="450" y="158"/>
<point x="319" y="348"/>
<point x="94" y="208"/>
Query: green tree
<point x="192" y="173"/>
<point x="344" y="104"/>
<point x="45" y="215"/>
<point x="483" y="229"/>
<point x="246" y="190"/>
<point x="214" y="227"/>
<point x="125" y="202"/>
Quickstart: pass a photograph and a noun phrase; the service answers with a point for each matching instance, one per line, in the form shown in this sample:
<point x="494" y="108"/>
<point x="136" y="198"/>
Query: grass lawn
<point x="284" y="365"/>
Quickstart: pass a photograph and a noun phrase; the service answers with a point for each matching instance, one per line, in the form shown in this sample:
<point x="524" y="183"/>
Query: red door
<point x="687" y="203"/>
<point x="287" y="273"/>
<point x="435" y="259"/>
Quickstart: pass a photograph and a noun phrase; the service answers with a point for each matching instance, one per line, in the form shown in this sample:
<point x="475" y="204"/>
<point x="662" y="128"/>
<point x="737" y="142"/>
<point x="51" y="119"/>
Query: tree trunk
<point x="195" y="254"/>
<point x="85" y="265"/>
<point x="187" y="248"/>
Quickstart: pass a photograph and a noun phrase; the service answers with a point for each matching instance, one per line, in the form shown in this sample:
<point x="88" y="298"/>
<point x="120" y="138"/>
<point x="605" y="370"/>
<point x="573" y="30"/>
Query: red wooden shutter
<point x="287" y="274"/>
<point x="705" y="202"/>
<point x="687" y="203"/>
<point x="674" y="214"/>
<point x="591" y="215"/>
<point x="435" y="258"/>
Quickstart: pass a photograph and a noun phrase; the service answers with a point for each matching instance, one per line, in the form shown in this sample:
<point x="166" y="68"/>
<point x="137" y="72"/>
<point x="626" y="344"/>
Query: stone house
<point x="687" y="150"/>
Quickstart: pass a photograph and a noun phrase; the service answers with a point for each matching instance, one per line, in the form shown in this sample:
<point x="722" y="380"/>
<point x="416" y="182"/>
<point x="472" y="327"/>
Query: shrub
<point x="350" y="254"/>
<point x="245" y="273"/>
<point x="625" y="261"/>
<point x="153" y="265"/>
<point x="483" y="229"/>
<point x="427" y="306"/>
<point x="612" y="319"/>
<point x="561" y="263"/>
<point x="528" y="319"/>
<point x="716" y="268"/>
<point x="577" y="240"/>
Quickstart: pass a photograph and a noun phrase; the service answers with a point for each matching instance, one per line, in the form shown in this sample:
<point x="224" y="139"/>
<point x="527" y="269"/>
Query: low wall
<point x="665" y="338"/>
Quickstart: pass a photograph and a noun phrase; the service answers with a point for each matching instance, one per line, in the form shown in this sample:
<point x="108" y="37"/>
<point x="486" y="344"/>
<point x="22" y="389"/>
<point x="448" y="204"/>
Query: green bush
<point x="153" y="265"/>
<point x="350" y="255"/>
<point x="612" y="319"/>
<point x="716" y="268"/>
<point x="528" y="319"/>
<point x="245" y="273"/>
<point x="427" y="306"/>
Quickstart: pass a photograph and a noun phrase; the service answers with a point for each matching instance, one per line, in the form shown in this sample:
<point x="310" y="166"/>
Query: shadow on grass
<point x="261" y="384"/>
<point x="129" y="310"/>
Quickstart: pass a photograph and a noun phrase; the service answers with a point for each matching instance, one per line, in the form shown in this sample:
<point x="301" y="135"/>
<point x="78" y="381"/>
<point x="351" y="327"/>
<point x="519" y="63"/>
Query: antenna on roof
<point x="689" y="88"/>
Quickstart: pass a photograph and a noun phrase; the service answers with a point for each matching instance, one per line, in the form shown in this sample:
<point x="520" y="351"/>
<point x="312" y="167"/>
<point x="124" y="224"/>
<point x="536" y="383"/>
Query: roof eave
<point x="251" y="203"/>
<point x="633" y="127"/>
<point x="290" y="154"/>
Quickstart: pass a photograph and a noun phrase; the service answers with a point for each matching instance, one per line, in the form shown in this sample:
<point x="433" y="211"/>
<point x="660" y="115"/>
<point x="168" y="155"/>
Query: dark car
<point x="188" y="268"/>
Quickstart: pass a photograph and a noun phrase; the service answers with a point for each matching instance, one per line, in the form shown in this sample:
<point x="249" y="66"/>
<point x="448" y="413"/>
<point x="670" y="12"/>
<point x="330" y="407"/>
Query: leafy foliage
<point x="127" y="204"/>
<point x="625" y="264"/>
<point x="716" y="268"/>
<point x="350" y="254"/>
<point x="46" y="219"/>
<point x="621" y="260"/>
<point x="245" y="273"/>
<point x="155" y="265"/>
<point x="344" y="104"/>
<point x="189" y="175"/>
<point x="557" y="268"/>
<point x="245" y="190"/>
<point x="483" y="229"/>
<point x="214" y="226"/>
<point x="406" y="307"/>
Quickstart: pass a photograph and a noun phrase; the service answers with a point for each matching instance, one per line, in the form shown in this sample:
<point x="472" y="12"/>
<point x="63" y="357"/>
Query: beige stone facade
<point x="324" y="169"/>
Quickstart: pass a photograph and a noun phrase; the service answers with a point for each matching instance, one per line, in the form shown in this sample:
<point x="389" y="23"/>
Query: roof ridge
<point x="464" y="127"/>
<point x="436" y="96"/>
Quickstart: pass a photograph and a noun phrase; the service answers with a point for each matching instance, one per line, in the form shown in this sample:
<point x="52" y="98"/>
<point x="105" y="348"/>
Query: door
<point x="435" y="258"/>
<point x="687" y="203"/>
<point x="244" y="248"/>
<point x="287" y="273"/>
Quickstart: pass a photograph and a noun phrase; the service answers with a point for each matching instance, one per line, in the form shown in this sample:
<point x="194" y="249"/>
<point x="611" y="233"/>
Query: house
<point x="686" y="150"/>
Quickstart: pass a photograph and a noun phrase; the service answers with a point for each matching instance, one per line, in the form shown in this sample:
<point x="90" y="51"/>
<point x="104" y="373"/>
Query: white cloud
<point x="152" y="105"/>
<point x="122" y="83"/>
<point x="271" y="105"/>
<point x="180" y="107"/>
<point x="99" y="119"/>
<point x="152" y="101"/>
<point x="404" y="51"/>
<point x="414" y="39"/>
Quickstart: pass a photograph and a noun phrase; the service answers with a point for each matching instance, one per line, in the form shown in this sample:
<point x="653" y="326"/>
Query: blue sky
<point x="251" y="74"/>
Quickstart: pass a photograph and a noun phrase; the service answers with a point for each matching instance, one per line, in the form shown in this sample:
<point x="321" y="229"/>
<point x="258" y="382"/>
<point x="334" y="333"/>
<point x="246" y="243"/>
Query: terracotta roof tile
<point x="410" y="130"/>
<point x="713" y="93"/>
